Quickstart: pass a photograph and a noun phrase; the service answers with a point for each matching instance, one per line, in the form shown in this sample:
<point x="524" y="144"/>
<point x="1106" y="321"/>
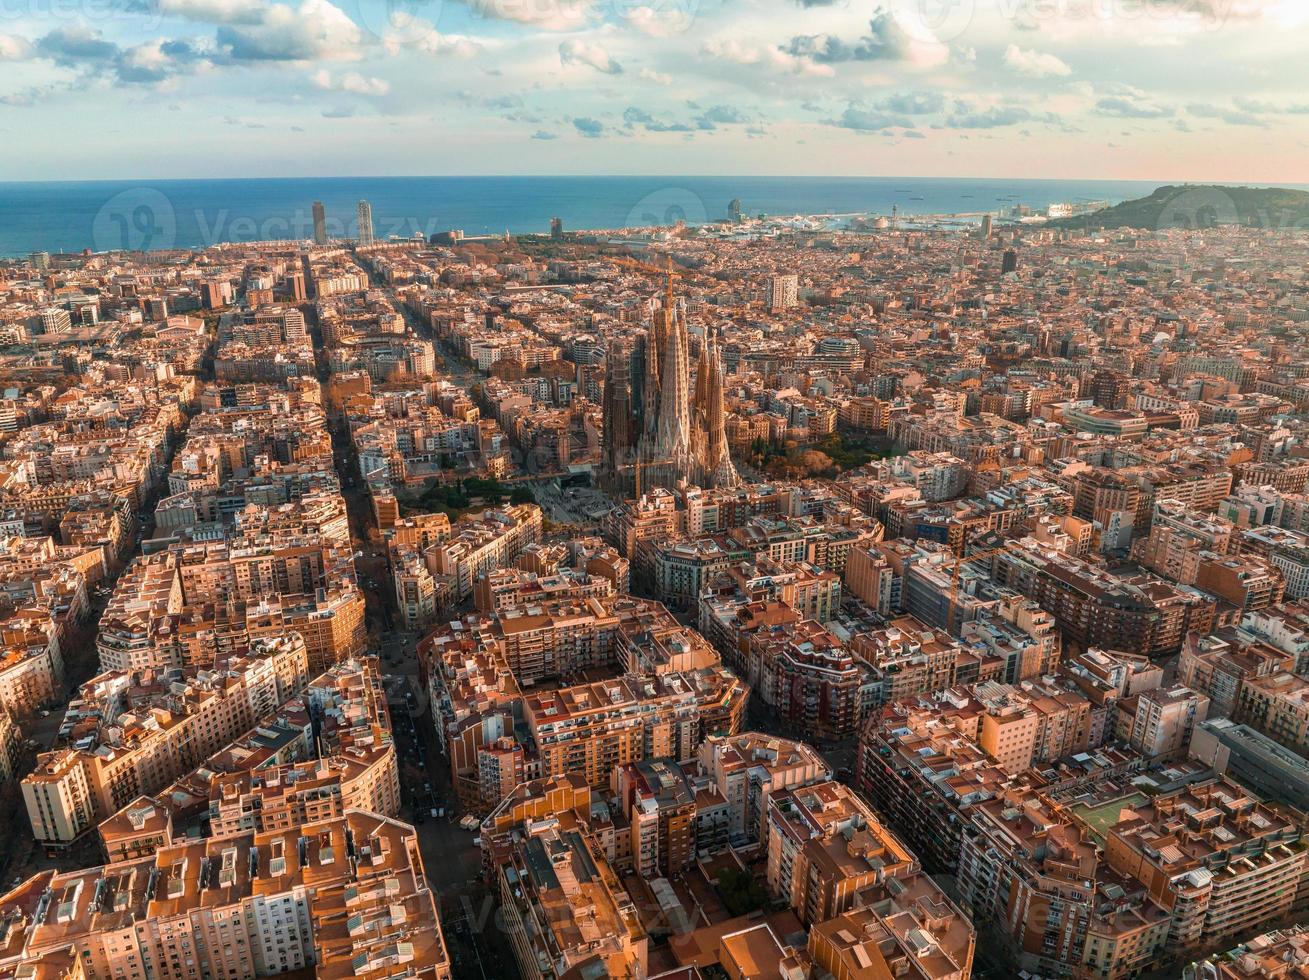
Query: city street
<point x="451" y="860"/>
<point x="478" y="946"/>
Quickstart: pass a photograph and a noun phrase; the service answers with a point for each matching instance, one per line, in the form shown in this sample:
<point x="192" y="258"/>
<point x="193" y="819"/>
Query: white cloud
<point x="548" y="15"/>
<point x="456" y="45"/>
<point x="662" y="21"/>
<point x="214" y="11"/>
<point x="404" y="30"/>
<point x="1034" y="64"/>
<point x="314" y="31"/>
<point x="352" y="82"/>
<point x="153" y="62"/>
<point x="575" y="52"/>
<point x="14" y="48"/>
<point x="885" y="40"/>
<point x="658" y="77"/>
<point x="768" y="56"/>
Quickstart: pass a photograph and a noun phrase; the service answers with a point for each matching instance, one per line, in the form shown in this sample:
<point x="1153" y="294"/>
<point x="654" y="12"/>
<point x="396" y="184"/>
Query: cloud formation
<point x="1128" y="107"/>
<point x="351" y="81"/>
<point x="886" y="40"/>
<point x="657" y="74"/>
<point x="1034" y="64"/>
<point x="313" y="31"/>
<point x="575" y="52"/>
<point x="545" y="15"/>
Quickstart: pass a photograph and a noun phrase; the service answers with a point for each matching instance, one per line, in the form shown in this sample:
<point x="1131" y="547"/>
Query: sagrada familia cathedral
<point x="659" y="430"/>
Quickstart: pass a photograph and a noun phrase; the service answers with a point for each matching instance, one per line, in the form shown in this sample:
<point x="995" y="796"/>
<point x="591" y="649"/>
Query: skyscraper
<point x="1009" y="262"/>
<point x="783" y="292"/>
<point x="556" y="228"/>
<point x="734" y="210"/>
<point x="365" y="215"/>
<point x="986" y="225"/>
<point x="320" y="224"/>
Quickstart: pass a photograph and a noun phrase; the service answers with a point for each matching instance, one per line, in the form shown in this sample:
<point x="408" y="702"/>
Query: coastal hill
<point x="1202" y="206"/>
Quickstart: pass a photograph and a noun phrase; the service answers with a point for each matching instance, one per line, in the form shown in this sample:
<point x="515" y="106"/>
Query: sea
<point x="70" y="216"/>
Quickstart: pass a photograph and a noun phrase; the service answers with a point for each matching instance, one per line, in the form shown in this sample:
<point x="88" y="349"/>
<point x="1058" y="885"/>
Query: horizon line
<point x="1160" y="181"/>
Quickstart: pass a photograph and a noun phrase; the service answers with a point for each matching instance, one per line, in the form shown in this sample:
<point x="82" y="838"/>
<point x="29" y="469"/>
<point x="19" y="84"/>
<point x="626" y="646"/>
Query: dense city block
<point x="762" y="599"/>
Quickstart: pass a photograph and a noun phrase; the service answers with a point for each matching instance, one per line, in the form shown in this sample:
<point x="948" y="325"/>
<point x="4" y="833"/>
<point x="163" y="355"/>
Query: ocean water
<point x="74" y="215"/>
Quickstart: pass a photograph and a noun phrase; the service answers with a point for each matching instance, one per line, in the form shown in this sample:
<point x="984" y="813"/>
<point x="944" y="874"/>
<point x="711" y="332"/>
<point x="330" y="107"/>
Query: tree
<point x="740" y="891"/>
<point x="815" y="462"/>
<point x="492" y="491"/>
<point x="522" y="495"/>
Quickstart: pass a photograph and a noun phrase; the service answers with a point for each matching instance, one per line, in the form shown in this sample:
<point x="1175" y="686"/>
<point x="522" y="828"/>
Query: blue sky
<point x="1149" y="89"/>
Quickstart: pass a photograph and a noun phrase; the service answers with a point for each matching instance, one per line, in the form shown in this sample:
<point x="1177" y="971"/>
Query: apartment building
<point x="672" y="694"/>
<point x="1254" y="760"/>
<point x="1277" y="705"/>
<point x="928" y="760"/>
<point x="592" y="728"/>
<point x="903" y="928"/>
<point x="1218" y="664"/>
<point x="661" y="808"/>
<point x="1280" y="953"/>
<point x="506" y="587"/>
<point x="1221" y="861"/>
<point x="564" y="908"/>
<point x="806" y="674"/>
<point x="31" y="664"/>
<point x="1159" y="723"/>
<point x="1140" y="614"/>
<point x="908" y="657"/>
<point x="749" y="767"/>
<point x="131" y="735"/>
<point x="1178" y="536"/>
<point x="481" y="543"/>
<point x="1034" y="881"/>
<point x="342" y="897"/>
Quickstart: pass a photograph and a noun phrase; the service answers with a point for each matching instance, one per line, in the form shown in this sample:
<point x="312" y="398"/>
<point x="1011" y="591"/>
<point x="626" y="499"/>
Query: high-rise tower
<point x="364" y="212"/>
<point x="320" y="224"/>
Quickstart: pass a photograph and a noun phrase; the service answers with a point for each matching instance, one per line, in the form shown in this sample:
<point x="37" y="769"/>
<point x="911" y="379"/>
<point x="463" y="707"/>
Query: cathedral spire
<point x="718" y="458"/>
<point x="674" y="441"/>
<point x="702" y="369"/>
<point x="616" y="414"/>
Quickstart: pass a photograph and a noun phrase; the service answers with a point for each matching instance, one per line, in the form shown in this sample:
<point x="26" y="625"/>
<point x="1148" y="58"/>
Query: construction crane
<point x="636" y="265"/>
<point x="954" y="578"/>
